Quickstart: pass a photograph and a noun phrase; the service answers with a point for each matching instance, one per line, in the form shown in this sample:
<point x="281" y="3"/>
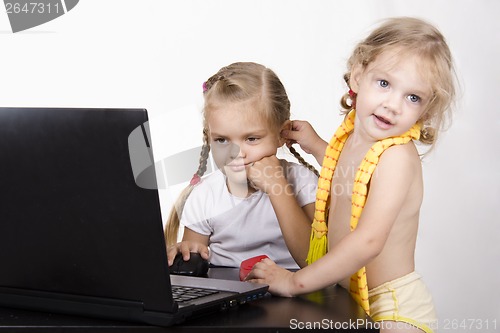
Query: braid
<point x="347" y="102"/>
<point x="205" y="150"/>
<point x="302" y="161"/>
<point x="173" y="222"/>
<point x="223" y="74"/>
<point x="428" y="135"/>
<point x="210" y="82"/>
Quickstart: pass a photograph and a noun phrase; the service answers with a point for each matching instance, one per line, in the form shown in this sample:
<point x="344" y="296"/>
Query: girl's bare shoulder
<point x="400" y="156"/>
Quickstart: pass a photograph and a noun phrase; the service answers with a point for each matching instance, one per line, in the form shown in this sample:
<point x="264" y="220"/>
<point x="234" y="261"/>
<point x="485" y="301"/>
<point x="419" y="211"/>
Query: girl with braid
<point x="246" y="108"/>
<point x="401" y="82"/>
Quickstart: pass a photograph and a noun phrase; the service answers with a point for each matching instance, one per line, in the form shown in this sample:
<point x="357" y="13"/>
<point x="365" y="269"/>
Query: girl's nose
<point x="392" y="102"/>
<point x="235" y="151"/>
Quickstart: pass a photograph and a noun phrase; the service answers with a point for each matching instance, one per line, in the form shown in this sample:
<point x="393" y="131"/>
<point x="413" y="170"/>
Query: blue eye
<point x="414" y="98"/>
<point x="383" y="83"/>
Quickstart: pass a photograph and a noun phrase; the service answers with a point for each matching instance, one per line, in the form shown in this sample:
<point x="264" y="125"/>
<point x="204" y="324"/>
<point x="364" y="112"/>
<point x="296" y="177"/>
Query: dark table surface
<point x="331" y="308"/>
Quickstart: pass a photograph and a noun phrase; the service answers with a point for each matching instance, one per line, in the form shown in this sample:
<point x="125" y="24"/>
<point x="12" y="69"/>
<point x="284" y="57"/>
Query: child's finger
<point x="292" y="136"/>
<point x="261" y="281"/>
<point x="267" y="261"/>
<point x="204" y="252"/>
<point x="171" y="253"/>
<point x="185" y="249"/>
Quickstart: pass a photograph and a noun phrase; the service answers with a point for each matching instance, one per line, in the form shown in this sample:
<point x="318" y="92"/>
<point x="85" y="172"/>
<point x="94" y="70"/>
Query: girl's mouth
<point x="235" y="167"/>
<point x="382" y="122"/>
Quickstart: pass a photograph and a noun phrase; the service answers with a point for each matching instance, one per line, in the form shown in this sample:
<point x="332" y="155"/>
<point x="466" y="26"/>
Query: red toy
<point x="247" y="265"/>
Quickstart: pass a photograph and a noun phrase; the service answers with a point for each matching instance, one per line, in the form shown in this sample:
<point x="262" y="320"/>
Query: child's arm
<point x="388" y="191"/>
<point x="309" y="141"/>
<point x="191" y="242"/>
<point x="343" y="260"/>
<point x="295" y="221"/>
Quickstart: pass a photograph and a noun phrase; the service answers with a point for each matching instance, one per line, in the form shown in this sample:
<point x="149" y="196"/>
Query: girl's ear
<point x="356" y="74"/>
<point x="287" y="125"/>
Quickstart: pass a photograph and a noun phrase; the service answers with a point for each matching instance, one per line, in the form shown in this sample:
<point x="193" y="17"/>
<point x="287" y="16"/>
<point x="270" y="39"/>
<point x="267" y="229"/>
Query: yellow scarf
<point x="319" y="241"/>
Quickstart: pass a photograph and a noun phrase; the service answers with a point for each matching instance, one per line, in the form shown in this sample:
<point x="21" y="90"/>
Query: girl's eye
<point x="414" y="98"/>
<point x="383" y="83"/>
<point x="220" y="140"/>
<point x="252" y="139"/>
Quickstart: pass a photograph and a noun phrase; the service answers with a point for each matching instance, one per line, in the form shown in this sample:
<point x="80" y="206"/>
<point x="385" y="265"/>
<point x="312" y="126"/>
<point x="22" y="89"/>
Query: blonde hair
<point x="416" y="37"/>
<point x="238" y="82"/>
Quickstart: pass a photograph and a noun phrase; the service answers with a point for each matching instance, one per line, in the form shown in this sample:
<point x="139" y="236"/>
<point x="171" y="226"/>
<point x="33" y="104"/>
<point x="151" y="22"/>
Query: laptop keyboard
<point x="185" y="294"/>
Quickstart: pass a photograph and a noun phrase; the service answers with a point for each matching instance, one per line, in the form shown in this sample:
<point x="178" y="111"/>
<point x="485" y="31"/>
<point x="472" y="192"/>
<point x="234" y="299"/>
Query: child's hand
<point x="267" y="175"/>
<point x="186" y="247"/>
<point x="304" y="134"/>
<point x="280" y="280"/>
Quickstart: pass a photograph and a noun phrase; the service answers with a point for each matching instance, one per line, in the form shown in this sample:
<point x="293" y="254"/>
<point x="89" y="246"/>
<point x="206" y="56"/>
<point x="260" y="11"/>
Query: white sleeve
<point x="195" y="214"/>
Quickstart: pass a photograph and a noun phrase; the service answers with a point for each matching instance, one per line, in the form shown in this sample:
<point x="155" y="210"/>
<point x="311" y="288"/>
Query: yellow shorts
<point x="405" y="300"/>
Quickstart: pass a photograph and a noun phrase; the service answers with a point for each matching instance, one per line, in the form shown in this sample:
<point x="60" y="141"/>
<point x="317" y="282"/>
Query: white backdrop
<point x="155" y="54"/>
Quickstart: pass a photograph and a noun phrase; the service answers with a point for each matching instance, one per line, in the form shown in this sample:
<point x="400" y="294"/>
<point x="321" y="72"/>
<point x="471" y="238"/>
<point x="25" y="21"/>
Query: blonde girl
<point x="401" y="86"/>
<point x="246" y="108"/>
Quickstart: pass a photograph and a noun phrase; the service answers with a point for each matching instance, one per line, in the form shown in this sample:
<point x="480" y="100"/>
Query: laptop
<point x="81" y="230"/>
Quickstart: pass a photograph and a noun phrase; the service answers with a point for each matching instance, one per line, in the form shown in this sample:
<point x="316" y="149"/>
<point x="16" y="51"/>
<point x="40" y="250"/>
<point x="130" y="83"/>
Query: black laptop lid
<point x="69" y="202"/>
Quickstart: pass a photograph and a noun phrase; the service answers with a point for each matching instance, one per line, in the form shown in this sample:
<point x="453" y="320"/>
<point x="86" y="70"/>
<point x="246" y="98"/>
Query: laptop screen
<point x="74" y="221"/>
